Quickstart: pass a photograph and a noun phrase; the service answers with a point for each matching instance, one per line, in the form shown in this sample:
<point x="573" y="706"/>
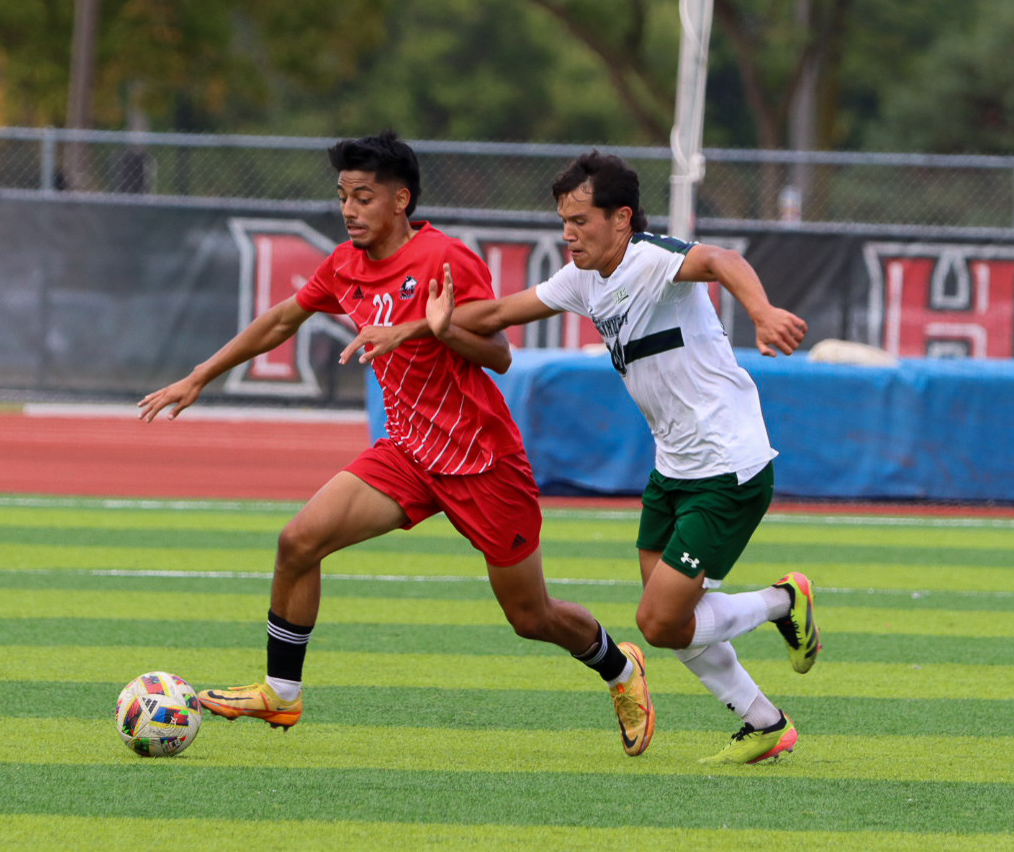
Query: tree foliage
<point x="500" y="70"/>
<point x="960" y="93"/>
<point x="933" y="75"/>
<point x="186" y="64"/>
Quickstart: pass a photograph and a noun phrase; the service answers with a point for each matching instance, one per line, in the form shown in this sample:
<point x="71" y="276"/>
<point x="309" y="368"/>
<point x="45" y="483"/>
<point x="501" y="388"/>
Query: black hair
<point x="386" y="156"/>
<point x="614" y="185"/>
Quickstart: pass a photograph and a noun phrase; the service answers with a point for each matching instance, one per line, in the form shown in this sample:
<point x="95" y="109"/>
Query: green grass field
<point x="428" y="724"/>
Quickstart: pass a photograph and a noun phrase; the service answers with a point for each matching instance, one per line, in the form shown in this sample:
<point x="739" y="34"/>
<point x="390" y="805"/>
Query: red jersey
<point x="441" y="408"/>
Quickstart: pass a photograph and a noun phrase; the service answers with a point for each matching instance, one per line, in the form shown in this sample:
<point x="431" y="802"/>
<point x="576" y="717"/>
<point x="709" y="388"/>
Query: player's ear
<point x="402" y="197"/>
<point x="622" y="217"/>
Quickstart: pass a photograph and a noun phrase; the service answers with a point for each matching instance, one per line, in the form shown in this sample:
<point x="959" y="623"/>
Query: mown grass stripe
<point x="336" y="668"/>
<point x="852" y="518"/>
<point x="553" y="547"/>
<point x="104" y="520"/>
<point x="479" y="639"/>
<point x="338" y="609"/>
<point x="485" y="709"/>
<point x="352" y="561"/>
<point x="588" y="592"/>
<point x="53" y="831"/>
<point x="918" y="534"/>
<point x="743" y="798"/>
<point x="621" y="530"/>
<point x="979" y="760"/>
<point x="358" y="561"/>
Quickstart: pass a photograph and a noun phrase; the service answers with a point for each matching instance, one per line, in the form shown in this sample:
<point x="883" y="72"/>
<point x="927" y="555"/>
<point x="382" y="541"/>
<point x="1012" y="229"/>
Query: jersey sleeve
<point x="316" y="295"/>
<point x="667" y="255"/>
<point x="562" y="293"/>
<point x="676" y="260"/>
<point x="471" y="276"/>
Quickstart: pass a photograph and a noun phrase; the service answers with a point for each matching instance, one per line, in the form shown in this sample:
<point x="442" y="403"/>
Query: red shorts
<point x="497" y="511"/>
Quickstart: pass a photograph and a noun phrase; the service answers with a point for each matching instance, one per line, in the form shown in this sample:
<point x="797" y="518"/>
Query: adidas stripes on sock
<point x="286" y="651"/>
<point x="606" y="658"/>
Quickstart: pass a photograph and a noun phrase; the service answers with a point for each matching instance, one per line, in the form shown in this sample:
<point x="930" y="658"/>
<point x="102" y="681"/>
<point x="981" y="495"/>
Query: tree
<point x="959" y="97"/>
<point x="497" y="70"/>
<point x="625" y="37"/>
<point x="34" y="61"/>
<point x="188" y="64"/>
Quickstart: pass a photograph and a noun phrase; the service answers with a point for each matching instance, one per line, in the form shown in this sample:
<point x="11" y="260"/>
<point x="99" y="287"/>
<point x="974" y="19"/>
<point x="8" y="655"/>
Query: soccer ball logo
<point x="158" y="714"/>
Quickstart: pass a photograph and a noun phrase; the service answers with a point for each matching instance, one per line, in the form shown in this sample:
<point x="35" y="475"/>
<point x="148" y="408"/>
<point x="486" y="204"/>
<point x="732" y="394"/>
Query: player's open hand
<point x="374" y="340"/>
<point x="779" y="329"/>
<point x="440" y="304"/>
<point x="180" y="395"/>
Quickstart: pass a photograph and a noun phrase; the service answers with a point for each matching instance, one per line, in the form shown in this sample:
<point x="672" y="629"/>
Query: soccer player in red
<point x="452" y="446"/>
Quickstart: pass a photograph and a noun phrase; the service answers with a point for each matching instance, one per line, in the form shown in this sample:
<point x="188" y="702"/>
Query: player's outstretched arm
<point x="267" y="331"/>
<point x="488" y="316"/>
<point x="776" y="328"/>
<point x="382" y="339"/>
<point x="490" y="350"/>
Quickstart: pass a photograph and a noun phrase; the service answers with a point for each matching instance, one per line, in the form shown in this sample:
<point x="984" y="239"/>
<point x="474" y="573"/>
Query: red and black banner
<point x="117" y="299"/>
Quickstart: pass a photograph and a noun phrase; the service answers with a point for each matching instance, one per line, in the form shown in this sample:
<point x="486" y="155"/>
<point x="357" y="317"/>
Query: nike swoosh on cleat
<point x="629" y="743"/>
<point x="218" y="696"/>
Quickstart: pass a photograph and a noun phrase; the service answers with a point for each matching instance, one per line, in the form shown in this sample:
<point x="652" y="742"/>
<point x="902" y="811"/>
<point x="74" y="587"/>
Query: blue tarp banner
<point x="932" y="429"/>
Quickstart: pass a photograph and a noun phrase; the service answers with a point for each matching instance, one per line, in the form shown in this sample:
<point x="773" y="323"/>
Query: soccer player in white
<point x="713" y="476"/>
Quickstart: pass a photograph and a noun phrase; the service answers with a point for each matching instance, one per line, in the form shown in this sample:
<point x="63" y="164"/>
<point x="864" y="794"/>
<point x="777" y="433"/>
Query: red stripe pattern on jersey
<point x="442" y="409"/>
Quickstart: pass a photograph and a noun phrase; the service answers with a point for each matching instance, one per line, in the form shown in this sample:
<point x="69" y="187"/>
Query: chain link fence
<point x="507" y="181"/>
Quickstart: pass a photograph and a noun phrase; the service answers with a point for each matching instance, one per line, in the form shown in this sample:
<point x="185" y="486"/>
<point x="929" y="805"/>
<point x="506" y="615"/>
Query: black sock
<point x="604" y="656"/>
<point x="286" y="648"/>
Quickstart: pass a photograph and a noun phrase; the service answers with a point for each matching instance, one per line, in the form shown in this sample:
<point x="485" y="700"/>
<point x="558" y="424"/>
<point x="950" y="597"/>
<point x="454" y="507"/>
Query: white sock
<point x="719" y="617"/>
<point x="762" y="713"/>
<point x="721" y="673"/>
<point x="778" y="600"/>
<point x="287" y="690"/>
<point x="623" y="676"/>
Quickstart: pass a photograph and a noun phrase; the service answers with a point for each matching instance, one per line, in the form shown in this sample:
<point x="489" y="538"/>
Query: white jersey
<point x="669" y="346"/>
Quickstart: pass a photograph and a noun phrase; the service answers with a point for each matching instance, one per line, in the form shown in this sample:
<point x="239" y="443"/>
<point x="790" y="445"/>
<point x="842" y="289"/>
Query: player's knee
<point x="660" y="630"/>
<point x="296" y="552"/>
<point x="528" y="624"/>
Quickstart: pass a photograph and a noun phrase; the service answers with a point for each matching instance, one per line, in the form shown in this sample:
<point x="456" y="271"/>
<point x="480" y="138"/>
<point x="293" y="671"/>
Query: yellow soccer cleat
<point x="633" y="705"/>
<point x="258" y="700"/>
<point x="749" y="745"/>
<point x="798" y="628"/>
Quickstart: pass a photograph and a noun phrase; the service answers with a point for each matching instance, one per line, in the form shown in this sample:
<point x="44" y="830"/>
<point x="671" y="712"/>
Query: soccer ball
<point x="158" y="714"/>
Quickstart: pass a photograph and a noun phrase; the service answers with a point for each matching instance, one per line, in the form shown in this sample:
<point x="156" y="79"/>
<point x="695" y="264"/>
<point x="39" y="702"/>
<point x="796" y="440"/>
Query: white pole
<point x="688" y="131"/>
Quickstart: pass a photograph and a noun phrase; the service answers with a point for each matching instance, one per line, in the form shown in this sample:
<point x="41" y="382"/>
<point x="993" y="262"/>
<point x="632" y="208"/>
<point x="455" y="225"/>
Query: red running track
<point x="248" y="459"/>
<point x="196" y="458"/>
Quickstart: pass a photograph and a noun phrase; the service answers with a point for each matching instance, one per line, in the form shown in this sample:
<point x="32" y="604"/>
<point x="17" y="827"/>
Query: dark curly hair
<point x="614" y="184"/>
<point x="386" y="156"/>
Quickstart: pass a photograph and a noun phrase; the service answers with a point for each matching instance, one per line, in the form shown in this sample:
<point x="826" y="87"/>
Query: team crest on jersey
<point x="407" y="289"/>
<point x="609" y="327"/>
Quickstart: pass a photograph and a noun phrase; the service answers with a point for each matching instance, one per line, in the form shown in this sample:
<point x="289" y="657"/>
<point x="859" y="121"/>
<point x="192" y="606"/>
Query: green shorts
<point x="702" y="524"/>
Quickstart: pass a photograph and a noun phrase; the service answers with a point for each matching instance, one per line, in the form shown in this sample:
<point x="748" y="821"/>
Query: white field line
<point x="257" y="506"/>
<point x="210" y="413"/>
<point x="914" y="594"/>
<point x="144" y="504"/>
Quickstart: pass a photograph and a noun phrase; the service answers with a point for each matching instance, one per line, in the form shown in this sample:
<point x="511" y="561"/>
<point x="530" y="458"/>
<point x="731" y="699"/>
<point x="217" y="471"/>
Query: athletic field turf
<point x="428" y="724"/>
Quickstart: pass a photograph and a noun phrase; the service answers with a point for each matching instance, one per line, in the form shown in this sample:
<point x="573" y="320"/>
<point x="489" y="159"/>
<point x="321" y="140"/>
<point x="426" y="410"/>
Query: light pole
<point x="688" y="131"/>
